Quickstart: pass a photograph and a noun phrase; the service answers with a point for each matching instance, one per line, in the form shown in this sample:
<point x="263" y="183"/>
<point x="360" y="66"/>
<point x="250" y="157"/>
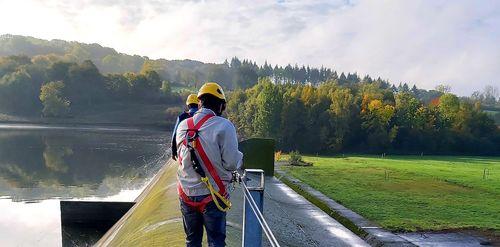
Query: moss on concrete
<point x="156" y="220"/>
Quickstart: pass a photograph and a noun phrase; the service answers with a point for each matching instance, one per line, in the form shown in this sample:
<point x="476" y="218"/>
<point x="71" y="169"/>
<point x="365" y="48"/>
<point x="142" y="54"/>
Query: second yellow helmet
<point x="212" y="88"/>
<point x="192" y="99"/>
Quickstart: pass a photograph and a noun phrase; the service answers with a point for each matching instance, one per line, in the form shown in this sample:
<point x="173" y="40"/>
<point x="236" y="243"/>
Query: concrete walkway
<point x="450" y="239"/>
<point x="294" y="220"/>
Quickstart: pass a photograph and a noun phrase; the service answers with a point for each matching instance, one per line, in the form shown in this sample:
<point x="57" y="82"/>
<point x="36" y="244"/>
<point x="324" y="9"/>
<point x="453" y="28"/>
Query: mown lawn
<point x="410" y="193"/>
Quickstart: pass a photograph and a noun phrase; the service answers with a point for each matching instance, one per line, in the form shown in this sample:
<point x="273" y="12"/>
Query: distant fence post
<point x="252" y="229"/>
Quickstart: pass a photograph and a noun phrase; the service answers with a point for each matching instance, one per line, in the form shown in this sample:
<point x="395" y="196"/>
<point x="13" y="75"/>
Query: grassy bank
<point x="410" y="193"/>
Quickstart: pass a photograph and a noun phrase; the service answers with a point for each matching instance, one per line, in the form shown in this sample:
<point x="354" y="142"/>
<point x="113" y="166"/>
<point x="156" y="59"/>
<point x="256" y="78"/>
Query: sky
<point x="455" y="42"/>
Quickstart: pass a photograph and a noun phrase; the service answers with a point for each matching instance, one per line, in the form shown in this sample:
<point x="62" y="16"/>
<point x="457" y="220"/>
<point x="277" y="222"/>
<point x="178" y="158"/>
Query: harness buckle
<point x="191" y="136"/>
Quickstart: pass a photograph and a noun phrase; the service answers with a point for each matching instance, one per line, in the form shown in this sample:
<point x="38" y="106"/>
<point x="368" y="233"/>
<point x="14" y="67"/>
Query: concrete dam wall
<point x="155" y="219"/>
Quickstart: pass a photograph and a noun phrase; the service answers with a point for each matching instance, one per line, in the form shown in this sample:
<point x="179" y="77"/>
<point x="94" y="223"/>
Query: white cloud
<point x="422" y="42"/>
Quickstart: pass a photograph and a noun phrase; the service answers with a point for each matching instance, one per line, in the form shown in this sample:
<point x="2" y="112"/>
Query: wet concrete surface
<point x="448" y="239"/>
<point x="294" y="220"/>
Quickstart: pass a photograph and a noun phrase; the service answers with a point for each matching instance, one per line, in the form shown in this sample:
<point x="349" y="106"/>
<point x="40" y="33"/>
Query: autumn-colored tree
<point x="54" y="102"/>
<point x="449" y="104"/>
<point x="343" y="120"/>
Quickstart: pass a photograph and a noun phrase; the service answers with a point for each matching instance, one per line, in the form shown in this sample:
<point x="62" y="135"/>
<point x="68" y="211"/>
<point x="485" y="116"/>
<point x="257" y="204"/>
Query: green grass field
<point x="411" y="193"/>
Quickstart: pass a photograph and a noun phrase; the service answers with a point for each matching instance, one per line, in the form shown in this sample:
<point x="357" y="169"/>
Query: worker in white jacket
<point x="207" y="154"/>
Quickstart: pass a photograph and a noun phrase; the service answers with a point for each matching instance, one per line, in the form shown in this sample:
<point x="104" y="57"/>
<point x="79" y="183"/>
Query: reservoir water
<point x="41" y="165"/>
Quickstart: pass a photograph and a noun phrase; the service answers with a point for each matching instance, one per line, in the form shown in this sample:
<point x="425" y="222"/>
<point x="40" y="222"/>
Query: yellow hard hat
<point x="192" y="99"/>
<point x="213" y="89"/>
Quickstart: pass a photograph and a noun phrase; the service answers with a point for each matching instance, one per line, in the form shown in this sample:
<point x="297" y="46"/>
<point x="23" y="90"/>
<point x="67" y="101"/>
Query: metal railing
<point x="254" y="222"/>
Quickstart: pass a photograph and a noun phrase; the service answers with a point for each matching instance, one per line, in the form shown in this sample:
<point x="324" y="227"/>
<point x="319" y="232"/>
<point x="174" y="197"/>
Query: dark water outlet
<point x="83" y="223"/>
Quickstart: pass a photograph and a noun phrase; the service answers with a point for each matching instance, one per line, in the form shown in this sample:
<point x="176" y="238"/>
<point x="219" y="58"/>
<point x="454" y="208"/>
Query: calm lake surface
<point x="41" y="165"/>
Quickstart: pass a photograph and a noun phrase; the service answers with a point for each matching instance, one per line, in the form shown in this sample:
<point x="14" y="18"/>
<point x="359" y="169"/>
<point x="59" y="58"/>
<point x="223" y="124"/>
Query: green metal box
<point x="258" y="153"/>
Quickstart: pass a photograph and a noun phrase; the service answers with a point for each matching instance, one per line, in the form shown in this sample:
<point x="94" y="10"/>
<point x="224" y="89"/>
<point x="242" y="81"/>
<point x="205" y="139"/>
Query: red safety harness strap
<point x="199" y="206"/>
<point x="210" y="168"/>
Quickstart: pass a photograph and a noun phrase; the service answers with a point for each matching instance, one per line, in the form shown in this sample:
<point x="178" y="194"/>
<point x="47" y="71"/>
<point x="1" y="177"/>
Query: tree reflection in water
<point x="54" y="155"/>
<point x="43" y="164"/>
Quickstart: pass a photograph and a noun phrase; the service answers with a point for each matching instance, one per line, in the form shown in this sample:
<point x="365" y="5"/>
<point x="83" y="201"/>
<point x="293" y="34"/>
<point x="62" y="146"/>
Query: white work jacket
<point x="219" y="140"/>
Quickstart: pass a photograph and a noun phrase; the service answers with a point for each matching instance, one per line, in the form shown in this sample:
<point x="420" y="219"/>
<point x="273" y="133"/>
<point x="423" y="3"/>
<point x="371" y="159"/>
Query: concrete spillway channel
<point x="155" y="219"/>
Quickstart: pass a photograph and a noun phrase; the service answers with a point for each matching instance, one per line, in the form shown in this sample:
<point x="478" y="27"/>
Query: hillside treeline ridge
<point x="362" y="117"/>
<point x="53" y="87"/>
<point x="308" y="109"/>
<point x="58" y="87"/>
<point x="233" y="74"/>
<point x="80" y="75"/>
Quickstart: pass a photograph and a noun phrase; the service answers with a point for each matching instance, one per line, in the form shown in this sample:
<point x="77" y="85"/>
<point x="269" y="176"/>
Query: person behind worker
<point x="208" y="153"/>
<point x="192" y="107"/>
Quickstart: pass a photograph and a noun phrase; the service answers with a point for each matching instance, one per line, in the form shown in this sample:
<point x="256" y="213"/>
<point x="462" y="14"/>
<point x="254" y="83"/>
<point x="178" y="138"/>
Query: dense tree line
<point x="233" y="74"/>
<point x="369" y="116"/>
<point x="52" y="86"/>
<point x="60" y="78"/>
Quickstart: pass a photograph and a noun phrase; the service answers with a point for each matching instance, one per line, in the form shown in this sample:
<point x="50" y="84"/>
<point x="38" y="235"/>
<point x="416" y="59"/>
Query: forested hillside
<point x="54" y="87"/>
<point x="316" y="110"/>
<point x="231" y="74"/>
<point x="365" y="117"/>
